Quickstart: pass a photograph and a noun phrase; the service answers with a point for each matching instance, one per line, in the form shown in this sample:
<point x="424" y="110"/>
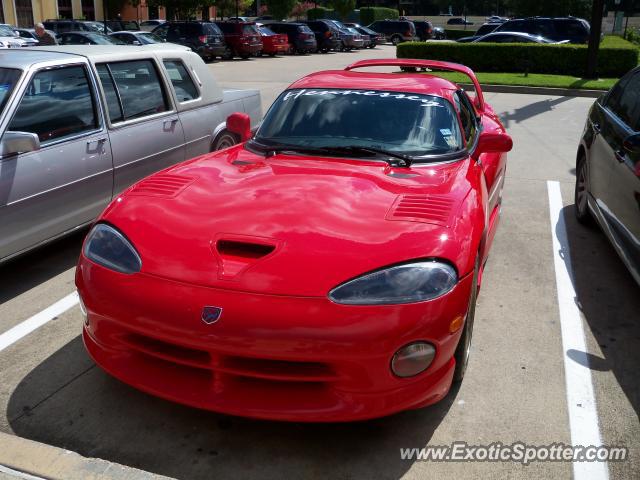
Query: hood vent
<point x="434" y="209"/>
<point x="162" y="185"/>
<point x="237" y="254"/>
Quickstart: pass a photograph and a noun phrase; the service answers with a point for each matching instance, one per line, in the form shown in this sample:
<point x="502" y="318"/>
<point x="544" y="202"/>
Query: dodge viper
<point x="325" y="268"/>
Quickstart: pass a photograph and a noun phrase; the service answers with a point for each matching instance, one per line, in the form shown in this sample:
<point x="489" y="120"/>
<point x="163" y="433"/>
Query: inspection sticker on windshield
<point x="445" y="131"/>
<point x="426" y="102"/>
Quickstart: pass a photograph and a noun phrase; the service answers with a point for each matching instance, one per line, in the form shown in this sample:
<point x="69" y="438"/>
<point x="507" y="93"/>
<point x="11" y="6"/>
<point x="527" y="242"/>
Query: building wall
<point x="44" y="9"/>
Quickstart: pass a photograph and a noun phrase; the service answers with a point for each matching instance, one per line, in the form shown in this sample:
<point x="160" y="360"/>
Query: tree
<point x="343" y="7"/>
<point x="228" y="7"/>
<point x="182" y="8"/>
<point x="281" y="9"/>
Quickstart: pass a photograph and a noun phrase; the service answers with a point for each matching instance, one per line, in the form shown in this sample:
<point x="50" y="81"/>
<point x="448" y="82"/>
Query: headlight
<point x="408" y="283"/>
<point x="108" y="247"/>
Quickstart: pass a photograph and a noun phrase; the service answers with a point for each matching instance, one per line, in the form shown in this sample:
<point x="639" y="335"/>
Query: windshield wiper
<point x="392" y="158"/>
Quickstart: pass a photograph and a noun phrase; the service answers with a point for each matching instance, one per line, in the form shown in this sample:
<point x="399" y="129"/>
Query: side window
<point x="111" y="94"/>
<point x="161" y="31"/>
<point x="624" y="101"/>
<point x="58" y="103"/>
<point x="138" y="89"/>
<point x="467" y="116"/>
<point x="181" y="80"/>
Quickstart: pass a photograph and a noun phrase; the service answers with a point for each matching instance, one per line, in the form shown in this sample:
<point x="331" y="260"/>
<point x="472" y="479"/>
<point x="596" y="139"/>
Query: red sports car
<point x="325" y="269"/>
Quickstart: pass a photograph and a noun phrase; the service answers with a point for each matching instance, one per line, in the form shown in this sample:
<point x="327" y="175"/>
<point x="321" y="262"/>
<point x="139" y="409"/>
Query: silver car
<point x="78" y="125"/>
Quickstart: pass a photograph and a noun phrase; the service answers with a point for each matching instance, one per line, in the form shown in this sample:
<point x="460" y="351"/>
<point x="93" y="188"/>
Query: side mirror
<point x="492" y="142"/>
<point x="18" y="142"/>
<point x="632" y="143"/>
<point x="240" y="124"/>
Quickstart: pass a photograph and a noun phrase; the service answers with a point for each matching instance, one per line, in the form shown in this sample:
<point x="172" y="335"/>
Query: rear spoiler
<point x="435" y="64"/>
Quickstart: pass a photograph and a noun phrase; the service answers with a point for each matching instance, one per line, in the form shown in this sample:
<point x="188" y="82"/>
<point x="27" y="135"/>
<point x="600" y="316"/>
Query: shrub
<point x="320" y="12"/>
<point x="633" y="36"/>
<point x="613" y="61"/>
<point x="369" y="15"/>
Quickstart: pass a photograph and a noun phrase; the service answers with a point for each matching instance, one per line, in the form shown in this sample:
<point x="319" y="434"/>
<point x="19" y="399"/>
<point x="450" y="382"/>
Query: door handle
<point x="169" y="125"/>
<point x="620" y="156"/>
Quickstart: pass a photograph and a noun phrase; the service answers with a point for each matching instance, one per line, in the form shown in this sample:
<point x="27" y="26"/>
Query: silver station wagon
<point x="80" y="124"/>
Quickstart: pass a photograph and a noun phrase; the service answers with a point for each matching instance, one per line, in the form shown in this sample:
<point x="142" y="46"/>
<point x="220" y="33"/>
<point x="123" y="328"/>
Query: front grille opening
<point x="168" y="351"/>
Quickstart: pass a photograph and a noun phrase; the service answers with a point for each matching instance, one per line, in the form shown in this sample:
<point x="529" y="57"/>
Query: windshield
<point x="266" y="31"/>
<point x="100" y="39"/>
<point x="8" y="79"/>
<point x="408" y="124"/>
<point x="6" y="31"/>
<point x="150" y="38"/>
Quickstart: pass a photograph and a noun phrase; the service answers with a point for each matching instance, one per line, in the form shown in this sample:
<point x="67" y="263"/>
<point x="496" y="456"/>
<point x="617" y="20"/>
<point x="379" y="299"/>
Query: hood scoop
<point x="236" y="254"/>
<point x="162" y="185"/>
<point x="435" y="209"/>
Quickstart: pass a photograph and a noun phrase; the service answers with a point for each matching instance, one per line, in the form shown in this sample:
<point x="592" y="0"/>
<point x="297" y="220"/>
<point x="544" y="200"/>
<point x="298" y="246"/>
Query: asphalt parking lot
<point x="515" y="389"/>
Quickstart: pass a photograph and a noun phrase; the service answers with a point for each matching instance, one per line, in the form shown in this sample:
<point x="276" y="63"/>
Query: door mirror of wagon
<point x="632" y="143"/>
<point x="18" y="142"/>
<point x="492" y="142"/>
<point x="240" y="124"/>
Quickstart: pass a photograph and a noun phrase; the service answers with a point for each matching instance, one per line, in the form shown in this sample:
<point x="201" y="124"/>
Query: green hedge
<point x="320" y="12"/>
<point x="454" y="34"/>
<point x="613" y="61"/>
<point x="369" y="15"/>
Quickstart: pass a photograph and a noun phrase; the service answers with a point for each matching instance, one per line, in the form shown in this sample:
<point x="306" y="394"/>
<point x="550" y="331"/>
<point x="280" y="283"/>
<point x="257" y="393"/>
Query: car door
<point x="608" y="134"/>
<point x="145" y="130"/>
<point x="624" y="182"/>
<point x="197" y="119"/>
<point x="68" y="181"/>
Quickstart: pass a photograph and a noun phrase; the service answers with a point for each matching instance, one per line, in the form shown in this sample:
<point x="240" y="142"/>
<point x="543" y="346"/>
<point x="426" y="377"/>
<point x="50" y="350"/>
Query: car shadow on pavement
<point x="530" y="110"/>
<point x="97" y="416"/>
<point x="34" y="268"/>
<point x="608" y="297"/>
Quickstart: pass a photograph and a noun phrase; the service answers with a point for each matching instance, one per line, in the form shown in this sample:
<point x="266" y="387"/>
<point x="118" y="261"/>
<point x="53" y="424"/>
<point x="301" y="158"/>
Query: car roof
<point x="406" y="82"/>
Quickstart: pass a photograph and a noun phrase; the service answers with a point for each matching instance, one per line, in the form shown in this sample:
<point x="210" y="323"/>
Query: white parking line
<point x="581" y="402"/>
<point x="25" y="328"/>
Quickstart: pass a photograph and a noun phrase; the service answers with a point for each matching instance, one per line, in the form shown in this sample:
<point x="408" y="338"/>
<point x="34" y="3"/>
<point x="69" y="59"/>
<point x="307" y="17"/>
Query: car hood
<point x="290" y="225"/>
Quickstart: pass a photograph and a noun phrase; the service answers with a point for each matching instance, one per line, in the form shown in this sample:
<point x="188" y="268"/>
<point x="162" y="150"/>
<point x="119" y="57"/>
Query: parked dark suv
<point x="327" y="35"/>
<point x="608" y="169"/>
<point x="395" y="31"/>
<point x="576" y="30"/>
<point x="424" y="30"/>
<point x="243" y="38"/>
<point x="301" y="37"/>
<point x="204" y="38"/>
<point x="123" y="25"/>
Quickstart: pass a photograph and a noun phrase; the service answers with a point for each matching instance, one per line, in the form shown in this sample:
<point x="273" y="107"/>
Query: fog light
<point x="412" y="359"/>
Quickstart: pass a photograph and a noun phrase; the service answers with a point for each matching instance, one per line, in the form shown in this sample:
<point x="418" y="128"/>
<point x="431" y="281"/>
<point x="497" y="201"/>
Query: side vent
<point x="435" y="209"/>
<point x="163" y="185"/>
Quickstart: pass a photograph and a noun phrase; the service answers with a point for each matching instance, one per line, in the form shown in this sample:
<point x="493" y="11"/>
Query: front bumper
<point x="271" y="357"/>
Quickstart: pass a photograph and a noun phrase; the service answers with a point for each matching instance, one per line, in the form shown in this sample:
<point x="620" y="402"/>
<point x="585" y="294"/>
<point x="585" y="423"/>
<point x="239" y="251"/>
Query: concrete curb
<point x="50" y="462"/>
<point x="559" y="92"/>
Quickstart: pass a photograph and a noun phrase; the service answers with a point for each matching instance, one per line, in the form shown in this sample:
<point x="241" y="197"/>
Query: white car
<point x="9" y="38"/>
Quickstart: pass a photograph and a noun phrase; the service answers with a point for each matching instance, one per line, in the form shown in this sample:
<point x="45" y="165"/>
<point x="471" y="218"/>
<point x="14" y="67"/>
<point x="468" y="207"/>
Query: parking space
<point x="515" y="389"/>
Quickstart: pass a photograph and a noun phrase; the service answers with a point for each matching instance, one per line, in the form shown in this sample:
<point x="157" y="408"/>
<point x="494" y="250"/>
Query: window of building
<point x="24" y="13"/>
<point x="65" y="9"/>
<point x="88" y="10"/>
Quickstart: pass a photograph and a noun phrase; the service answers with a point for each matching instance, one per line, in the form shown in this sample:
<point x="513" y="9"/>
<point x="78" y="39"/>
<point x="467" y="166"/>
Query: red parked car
<point x="273" y="43"/>
<point x="242" y="38"/>
<point x="325" y="269"/>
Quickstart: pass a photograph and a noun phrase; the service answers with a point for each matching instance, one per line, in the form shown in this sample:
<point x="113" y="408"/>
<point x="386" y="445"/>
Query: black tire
<point x="225" y="139"/>
<point x="464" y="345"/>
<point x="581" y="193"/>
<point x="396" y="39"/>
